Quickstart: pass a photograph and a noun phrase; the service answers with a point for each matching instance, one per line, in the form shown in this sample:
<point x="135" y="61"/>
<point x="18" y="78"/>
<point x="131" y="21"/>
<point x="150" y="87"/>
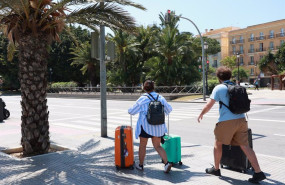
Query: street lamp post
<point x="206" y="71"/>
<point x="238" y="67"/>
<point x="203" y="51"/>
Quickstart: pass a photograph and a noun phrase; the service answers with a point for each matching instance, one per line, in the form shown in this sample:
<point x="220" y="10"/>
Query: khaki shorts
<point x="232" y="132"/>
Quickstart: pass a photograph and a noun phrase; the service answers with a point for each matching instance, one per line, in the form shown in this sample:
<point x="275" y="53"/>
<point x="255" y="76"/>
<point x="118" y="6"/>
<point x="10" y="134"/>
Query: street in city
<point x="75" y="122"/>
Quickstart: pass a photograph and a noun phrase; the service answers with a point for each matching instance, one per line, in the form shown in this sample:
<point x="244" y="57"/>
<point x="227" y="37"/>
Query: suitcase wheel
<point x="180" y="163"/>
<point x="131" y="167"/>
<point x="117" y="167"/>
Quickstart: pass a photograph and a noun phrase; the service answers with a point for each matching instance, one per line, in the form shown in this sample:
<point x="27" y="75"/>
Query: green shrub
<point x="63" y="84"/>
<point x="212" y="84"/>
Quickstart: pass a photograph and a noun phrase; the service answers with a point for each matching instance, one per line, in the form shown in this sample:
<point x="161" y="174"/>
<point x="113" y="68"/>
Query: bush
<point x="63" y="84"/>
<point x="212" y="84"/>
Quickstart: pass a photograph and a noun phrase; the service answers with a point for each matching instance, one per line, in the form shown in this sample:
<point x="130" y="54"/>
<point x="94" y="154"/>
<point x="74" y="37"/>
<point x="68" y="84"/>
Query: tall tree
<point x="82" y="58"/>
<point x="229" y="61"/>
<point x="32" y="25"/>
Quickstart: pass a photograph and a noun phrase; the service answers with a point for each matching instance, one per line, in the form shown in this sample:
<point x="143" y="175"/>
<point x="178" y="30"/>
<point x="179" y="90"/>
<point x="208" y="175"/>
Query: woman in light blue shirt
<point x="144" y="130"/>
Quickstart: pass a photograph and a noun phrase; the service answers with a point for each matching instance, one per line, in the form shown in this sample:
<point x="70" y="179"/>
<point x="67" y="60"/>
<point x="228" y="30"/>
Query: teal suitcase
<point x="172" y="147"/>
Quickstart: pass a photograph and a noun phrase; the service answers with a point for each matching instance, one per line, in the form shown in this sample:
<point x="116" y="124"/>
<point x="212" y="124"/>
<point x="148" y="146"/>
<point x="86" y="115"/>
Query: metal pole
<point x="238" y="71"/>
<point x="103" y="80"/>
<point x="203" y="56"/>
<point x="207" y="91"/>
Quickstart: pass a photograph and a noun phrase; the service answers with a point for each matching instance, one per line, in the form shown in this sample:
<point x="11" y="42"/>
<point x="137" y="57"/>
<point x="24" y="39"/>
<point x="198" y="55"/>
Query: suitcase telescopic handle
<point x="168" y="124"/>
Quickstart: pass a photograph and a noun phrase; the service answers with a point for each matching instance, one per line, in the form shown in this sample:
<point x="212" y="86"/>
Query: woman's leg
<point x="159" y="149"/>
<point x="142" y="149"/>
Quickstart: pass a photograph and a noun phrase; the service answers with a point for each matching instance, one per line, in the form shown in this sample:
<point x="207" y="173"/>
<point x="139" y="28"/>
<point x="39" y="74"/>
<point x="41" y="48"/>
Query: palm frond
<point x="121" y="2"/>
<point x="109" y="15"/>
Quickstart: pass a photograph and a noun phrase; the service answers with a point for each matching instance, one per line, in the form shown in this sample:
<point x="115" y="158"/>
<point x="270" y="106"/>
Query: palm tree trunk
<point x="33" y="54"/>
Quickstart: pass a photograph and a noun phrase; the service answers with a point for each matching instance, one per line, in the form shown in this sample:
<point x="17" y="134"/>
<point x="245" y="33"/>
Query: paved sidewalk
<point x="92" y="162"/>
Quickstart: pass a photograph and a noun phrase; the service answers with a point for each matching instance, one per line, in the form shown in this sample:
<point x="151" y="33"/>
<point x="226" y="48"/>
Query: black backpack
<point x="155" y="113"/>
<point x="239" y="102"/>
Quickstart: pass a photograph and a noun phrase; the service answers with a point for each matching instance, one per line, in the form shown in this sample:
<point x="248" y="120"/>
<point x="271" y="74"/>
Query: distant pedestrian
<point x="231" y="128"/>
<point x="256" y="84"/>
<point x="144" y="130"/>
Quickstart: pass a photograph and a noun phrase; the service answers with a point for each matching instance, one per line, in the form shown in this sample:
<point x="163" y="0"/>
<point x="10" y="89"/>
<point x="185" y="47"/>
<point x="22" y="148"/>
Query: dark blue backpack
<point x="155" y="113"/>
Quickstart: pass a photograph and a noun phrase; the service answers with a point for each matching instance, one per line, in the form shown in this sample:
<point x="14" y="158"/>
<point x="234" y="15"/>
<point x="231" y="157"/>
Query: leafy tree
<point x="214" y="46"/>
<point x="8" y="69"/>
<point x="280" y="59"/>
<point x="242" y="73"/>
<point x="82" y="58"/>
<point x="60" y="55"/>
<point x="268" y="63"/>
<point x="229" y="61"/>
<point x="32" y="25"/>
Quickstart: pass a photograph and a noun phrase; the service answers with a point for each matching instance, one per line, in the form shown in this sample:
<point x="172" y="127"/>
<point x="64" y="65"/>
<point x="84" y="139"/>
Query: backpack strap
<point x="148" y="97"/>
<point x="222" y="103"/>
<point x="153" y="97"/>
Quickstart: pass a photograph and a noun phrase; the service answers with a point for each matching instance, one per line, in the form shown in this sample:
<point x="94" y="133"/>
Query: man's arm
<point x="206" y="109"/>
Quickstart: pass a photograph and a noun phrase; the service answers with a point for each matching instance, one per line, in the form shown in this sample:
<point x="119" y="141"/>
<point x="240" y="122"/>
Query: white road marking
<point x="267" y="120"/>
<point x="279" y="135"/>
<point x="263" y="110"/>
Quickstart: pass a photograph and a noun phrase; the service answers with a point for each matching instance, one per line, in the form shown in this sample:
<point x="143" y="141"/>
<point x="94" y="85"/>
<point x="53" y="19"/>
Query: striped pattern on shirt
<point x="141" y="107"/>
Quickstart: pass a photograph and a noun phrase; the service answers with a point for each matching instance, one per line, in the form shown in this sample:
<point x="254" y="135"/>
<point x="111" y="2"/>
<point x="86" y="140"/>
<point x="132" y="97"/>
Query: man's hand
<point x="207" y="107"/>
<point x="200" y="118"/>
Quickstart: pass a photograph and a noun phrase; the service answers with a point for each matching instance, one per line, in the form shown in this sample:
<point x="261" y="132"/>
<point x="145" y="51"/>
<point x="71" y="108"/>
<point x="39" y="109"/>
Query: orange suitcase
<point x="124" y="147"/>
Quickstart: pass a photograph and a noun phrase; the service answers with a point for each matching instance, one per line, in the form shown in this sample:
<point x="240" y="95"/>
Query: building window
<point x="234" y="50"/>
<point x="215" y="63"/>
<point x="271" y="46"/>
<point x="271" y="34"/>
<point x="241" y="61"/>
<point x="241" y="39"/>
<point x="251" y="60"/>
<point x="251" y="71"/>
<point x="281" y="42"/>
<point x="260" y="57"/>
<point x="282" y="32"/>
<point x="251" y="48"/>
<point x="234" y="40"/>
<point x="260" y="46"/>
<point x="251" y="37"/>
<point x="241" y="49"/>
<point x="261" y="36"/>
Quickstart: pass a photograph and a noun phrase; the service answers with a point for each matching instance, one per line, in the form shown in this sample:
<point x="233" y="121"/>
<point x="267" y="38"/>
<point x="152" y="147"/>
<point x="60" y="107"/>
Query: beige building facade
<point x="251" y="43"/>
<point x="222" y="36"/>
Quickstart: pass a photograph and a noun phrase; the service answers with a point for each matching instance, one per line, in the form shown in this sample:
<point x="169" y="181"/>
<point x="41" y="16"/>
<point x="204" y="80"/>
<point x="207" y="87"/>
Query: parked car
<point x="246" y="85"/>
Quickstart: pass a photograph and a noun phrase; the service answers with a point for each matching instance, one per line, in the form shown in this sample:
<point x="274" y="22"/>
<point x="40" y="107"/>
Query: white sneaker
<point x="139" y="167"/>
<point x="167" y="167"/>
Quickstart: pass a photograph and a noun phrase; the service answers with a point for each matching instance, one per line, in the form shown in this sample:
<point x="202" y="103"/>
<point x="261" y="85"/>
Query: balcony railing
<point x="270" y="36"/>
<point x="273" y="48"/>
<point x="251" y="63"/>
<point x="280" y="35"/>
<point x="251" y="51"/>
<point x="251" y="39"/>
<point x="260" y="49"/>
<point x="260" y="38"/>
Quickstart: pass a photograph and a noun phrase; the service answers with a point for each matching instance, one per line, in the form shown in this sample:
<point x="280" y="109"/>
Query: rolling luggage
<point x="1" y="110"/>
<point x="124" y="147"/>
<point x="234" y="158"/>
<point x="172" y="147"/>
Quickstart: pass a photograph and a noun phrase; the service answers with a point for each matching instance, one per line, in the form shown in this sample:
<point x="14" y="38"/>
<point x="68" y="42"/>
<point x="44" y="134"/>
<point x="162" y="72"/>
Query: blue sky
<point x="211" y="14"/>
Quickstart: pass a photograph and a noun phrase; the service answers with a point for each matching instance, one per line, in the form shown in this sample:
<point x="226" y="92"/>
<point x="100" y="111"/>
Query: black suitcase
<point x="234" y="158"/>
<point x="1" y="110"/>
